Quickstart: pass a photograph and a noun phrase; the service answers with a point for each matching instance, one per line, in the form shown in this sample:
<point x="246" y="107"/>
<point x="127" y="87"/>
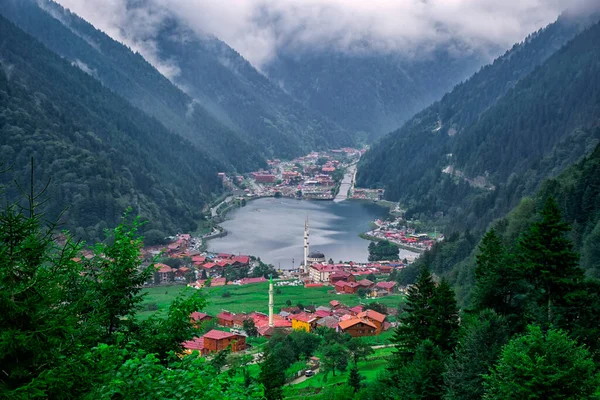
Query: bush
<point x="226" y="294"/>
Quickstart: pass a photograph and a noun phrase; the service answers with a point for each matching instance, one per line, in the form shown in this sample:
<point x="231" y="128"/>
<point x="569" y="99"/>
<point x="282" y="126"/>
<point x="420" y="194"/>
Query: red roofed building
<point x="216" y="340"/>
<point x="339" y="286"/>
<point x="225" y="318"/>
<point x="247" y="281"/>
<point x="375" y="317"/>
<point x="196" y="344"/>
<point x="303" y="321"/>
<point x="218" y="282"/>
<point x="197" y="318"/>
<point x="242" y="260"/>
<point x="198" y="260"/>
<point x="365" y="283"/>
<point x="321" y="272"/>
<point x="356" y="310"/>
<point x="357" y="327"/>
<point x="351" y="287"/>
<point x="341" y="276"/>
<point x="238" y="320"/>
<point x="261" y="177"/>
<point x="165" y="273"/>
<point x="322" y="313"/>
<point x="334" y="303"/>
<point x="389" y="286"/>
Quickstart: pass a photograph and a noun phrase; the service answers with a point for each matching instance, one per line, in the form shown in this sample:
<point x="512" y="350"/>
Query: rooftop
<point x="351" y="322"/>
<point x="371" y="314"/>
<point x="218" y="335"/>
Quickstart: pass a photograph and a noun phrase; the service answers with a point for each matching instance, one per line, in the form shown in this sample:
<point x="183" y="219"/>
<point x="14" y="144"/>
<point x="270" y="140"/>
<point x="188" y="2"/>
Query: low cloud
<point x="261" y="29"/>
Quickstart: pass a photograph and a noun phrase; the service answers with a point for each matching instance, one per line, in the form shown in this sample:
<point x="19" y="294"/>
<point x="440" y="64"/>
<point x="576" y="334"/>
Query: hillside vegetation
<point x="473" y="155"/>
<point x="101" y="154"/>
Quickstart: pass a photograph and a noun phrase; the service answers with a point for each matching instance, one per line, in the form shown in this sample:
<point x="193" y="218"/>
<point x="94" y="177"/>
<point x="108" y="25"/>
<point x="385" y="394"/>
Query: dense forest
<point x="371" y="93"/>
<point x="471" y="156"/>
<point x="132" y="77"/>
<point x="101" y="154"/>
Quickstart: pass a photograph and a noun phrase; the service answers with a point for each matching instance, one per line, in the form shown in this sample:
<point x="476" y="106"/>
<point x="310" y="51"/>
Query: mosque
<point x="314" y="257"/>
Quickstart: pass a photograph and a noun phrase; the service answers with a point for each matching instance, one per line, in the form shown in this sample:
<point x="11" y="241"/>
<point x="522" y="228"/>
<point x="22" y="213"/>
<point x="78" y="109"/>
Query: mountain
<point x="132" y="77"/>
<point x="223" y="81"/>
<point x="372" y="93"/>
<point x="577" y="192"/>
<point x="100" y="153"/>
<point x="474" y="154"/>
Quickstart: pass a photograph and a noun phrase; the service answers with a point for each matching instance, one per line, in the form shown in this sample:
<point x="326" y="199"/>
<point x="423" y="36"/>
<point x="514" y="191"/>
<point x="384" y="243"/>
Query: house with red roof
<point x="334" y="303"/>
<point x="304" y="321"/>
<point x="322" y="313"/>
<point x="365" y="283"/>
<point x="247" y="281"/>
<point x="357" y="327"/>
<point x="218" y="282"/>
<point x="165" y="273"/>
<point x="196" y="344"/>
<point x="225" y="318"/>
<point x="375" y="317"/>
<point x="356" y="310"/>
<point x="321" y="272"/>
<point x="341" y="276"/>
<point x="388" y="286"/>
<point x="351" y="287"/>
<point x="197" y="318"/>
<point x="216" y="340"/>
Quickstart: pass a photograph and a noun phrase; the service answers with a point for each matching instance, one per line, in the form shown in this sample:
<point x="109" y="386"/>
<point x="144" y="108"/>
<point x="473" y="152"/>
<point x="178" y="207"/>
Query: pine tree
<point x="445" y="327"/>
<point x="478" y="350"/>
<point x="354" y="378"/>
<point x="549" y="263"/>
<point x="417" y="319"/>
<point x="500" y="284"/>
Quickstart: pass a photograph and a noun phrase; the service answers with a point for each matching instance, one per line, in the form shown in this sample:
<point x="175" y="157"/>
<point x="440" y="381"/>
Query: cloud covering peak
<point x="261" y="29"/>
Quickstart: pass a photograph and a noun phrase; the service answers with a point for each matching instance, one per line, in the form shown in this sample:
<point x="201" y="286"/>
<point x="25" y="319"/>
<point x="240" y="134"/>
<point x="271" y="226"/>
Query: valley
<point x="322" y="200"/>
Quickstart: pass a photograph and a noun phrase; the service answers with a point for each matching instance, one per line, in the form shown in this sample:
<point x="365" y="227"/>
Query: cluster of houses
<point x="393" y="232"/>
<point x="355" y="321"/>
<point x="350" y="279"/>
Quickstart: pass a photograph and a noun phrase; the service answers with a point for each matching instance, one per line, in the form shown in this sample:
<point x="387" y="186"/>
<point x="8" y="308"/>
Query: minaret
<point x="306" y="246"/>
<point x="271" y="324"/>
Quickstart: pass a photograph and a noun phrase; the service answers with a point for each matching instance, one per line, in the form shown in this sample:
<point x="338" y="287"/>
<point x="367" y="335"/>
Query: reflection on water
<point x="273" y="230"/>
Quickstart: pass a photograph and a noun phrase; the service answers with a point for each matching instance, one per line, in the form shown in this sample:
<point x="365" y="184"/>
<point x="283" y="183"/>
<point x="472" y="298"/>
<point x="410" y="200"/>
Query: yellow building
<point x="303" y="322"/>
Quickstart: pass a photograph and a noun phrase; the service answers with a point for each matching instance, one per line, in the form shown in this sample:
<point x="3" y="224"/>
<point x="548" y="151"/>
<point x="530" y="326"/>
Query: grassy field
<point x="368" y="369"/>
<point x="253" y="298"/>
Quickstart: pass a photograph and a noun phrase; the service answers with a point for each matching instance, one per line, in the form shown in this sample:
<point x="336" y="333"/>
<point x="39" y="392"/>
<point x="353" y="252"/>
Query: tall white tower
<point x="271" y="324"/>
<point x="306" y="246"/>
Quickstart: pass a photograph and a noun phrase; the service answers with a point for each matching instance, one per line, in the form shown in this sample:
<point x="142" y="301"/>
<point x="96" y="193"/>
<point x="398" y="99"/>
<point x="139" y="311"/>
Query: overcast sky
<point x="259" y="29"/>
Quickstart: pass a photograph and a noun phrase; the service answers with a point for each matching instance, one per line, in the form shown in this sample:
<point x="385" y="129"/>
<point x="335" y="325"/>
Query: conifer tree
<point x="418" y="316"/>
<point x="478" y="350"/>
<point x="548" y="261"/>
<point x="445" y="327"/>
<point x="354" y="378"/>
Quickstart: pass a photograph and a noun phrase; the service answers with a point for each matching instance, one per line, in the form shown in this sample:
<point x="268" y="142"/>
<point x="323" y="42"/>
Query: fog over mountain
<point x="260" y="29"/>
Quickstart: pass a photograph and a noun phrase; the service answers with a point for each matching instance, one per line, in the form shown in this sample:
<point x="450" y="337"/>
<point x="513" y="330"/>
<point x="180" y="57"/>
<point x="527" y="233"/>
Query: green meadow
<point x="368" y="368"/>
<point x="253" y="297"/>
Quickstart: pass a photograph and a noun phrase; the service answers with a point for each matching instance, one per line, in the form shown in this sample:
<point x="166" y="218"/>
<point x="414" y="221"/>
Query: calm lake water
<point x="273" y="230"/>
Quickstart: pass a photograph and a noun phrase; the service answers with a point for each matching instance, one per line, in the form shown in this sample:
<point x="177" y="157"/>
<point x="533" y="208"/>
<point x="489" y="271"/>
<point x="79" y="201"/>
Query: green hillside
<point x="101" y="154"/>
<point x="132" y="77"/>
<point x="492" y="140"/>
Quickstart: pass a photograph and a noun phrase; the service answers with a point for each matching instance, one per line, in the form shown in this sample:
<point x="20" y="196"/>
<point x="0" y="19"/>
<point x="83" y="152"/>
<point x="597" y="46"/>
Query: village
<point x="349" y="297"/>
<point x="398" y="232"/>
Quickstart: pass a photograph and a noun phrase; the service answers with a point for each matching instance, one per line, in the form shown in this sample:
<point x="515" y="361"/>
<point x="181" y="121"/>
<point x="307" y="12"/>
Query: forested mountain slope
<point x="220" y="78"/>
<point x="493" y="139"/>
<point x="373" y="93"/>
<point x="577" y="193"/>
<point x="102" y="154"/>
<point x="131" y="76"/>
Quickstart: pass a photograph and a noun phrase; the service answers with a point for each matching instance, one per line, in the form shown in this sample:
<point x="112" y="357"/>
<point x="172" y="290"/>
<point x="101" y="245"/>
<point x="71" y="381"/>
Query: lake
<point x="273" y="230"/>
